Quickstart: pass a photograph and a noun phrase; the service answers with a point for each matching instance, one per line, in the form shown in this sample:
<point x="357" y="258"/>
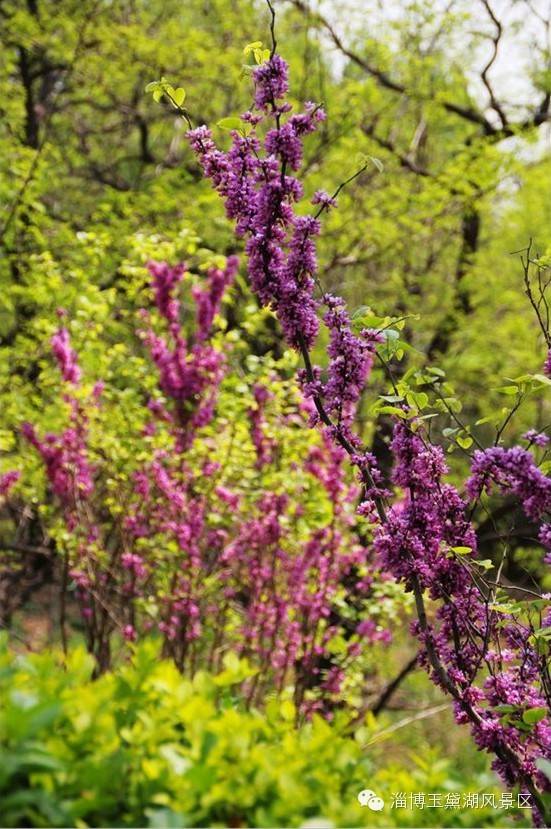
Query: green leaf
<point x="418" y="399"/>
<point x="504" y="607"/>
<point x="179" y="96"/>
<point x="376" y="163"/>
<point x="363" y="160"/>
<point x="509" y="390"/>
<point x="231" y="123"/>
<point x="261" y="55"/>
<point x="288" y="710"/>
<point x="250" y="47"/>
<point x="421" y="399"/>
<point x="393" y="410"/>
<point x="534" y="715"/>
<point x="448" y="432"/>
<point x="391" y="398"/>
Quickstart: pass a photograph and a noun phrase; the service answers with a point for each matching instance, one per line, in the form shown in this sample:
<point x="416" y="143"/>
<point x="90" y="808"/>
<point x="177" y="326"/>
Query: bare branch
<point x="383" y="78"/>
<point x="272" y="28"/>
<point x="24" y="548"/>
<point x="405" y="161"/>
<point x="496" y="106"/>
<point x="468" y="113"/>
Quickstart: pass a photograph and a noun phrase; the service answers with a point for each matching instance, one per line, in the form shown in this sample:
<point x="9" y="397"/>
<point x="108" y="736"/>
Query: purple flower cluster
<point x="536" y="438"/>
<point x="7" y="480"/>
<point x="417" y="545"/>
<point x="189" y="370"/>
<point x="66" y="357"/>
<point x="271" y="81"/>
<point x="70" y="475"/>
<point x="263" y="444"/>
<point x="323" y="198"/>
<point x="544" y="537"/>
<point x="511" y="471"/>
<point x="259" y="196"/>
<point x="350" y="360"/>
<point x="208" y="299"/>
<point x="164" y="281"/>
<point x="420" y="530"/>
<point x="65" y="457"/>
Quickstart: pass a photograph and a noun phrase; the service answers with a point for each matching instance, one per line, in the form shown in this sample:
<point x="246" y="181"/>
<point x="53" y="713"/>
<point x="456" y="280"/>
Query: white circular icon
<point x="368" y="798"/>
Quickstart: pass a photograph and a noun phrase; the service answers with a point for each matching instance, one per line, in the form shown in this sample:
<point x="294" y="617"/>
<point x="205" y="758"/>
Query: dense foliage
<point x="145" y="747"/>
<point x="160" y="486"/>
<point x="213" y="549"/>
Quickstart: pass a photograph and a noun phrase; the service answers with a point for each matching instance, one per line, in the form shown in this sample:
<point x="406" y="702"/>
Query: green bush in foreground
<point x="144" y="746"/>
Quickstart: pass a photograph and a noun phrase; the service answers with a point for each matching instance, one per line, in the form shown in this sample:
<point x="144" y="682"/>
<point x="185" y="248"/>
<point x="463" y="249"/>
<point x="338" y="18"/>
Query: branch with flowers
<point x="489" y="654"/>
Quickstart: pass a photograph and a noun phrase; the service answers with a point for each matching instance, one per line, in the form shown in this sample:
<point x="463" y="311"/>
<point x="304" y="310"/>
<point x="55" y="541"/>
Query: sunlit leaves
<point x="161" y="88"/>
<point x="257" y="51"/>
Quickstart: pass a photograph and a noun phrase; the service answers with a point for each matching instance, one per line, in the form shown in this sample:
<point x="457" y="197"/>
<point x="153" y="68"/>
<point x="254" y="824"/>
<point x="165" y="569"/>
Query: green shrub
<point x="144" y="746"/>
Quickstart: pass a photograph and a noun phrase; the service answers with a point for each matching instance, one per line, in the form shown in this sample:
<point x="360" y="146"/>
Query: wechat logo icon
<point x="368" y="798"/>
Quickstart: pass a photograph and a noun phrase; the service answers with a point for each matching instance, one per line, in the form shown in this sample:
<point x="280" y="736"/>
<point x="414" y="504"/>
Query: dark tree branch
<point x="389" y="690"/>
<point x="468" y="113"/>
<point x="496" y="106"/>
<point x="143" y="128"/>
<point x="28" y="549"/>
<point x="404" y="160"/>
<point x="31" y="117"/>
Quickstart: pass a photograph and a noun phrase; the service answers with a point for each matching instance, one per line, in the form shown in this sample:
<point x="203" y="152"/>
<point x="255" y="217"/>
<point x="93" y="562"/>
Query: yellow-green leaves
<point x="176" y="95"/>
<point x="234" y="123"/>
<point x="235" y="671"/>
<point x="534" y="715"/>
<point x="363" y="160"/>
<point x="257" y="51"/>
<point x="179" y="96"/>
<point x="231" y="123"/>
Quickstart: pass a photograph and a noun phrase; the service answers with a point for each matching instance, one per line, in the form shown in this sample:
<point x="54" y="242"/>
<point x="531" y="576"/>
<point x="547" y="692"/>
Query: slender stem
<point x="272" y="28"/>
<point x="389" y="689"/>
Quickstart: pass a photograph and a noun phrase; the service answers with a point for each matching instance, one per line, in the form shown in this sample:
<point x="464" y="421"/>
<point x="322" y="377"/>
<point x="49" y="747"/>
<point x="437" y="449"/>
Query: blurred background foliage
<point x="90" y="165"/>
<point x="96" y="179"/>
